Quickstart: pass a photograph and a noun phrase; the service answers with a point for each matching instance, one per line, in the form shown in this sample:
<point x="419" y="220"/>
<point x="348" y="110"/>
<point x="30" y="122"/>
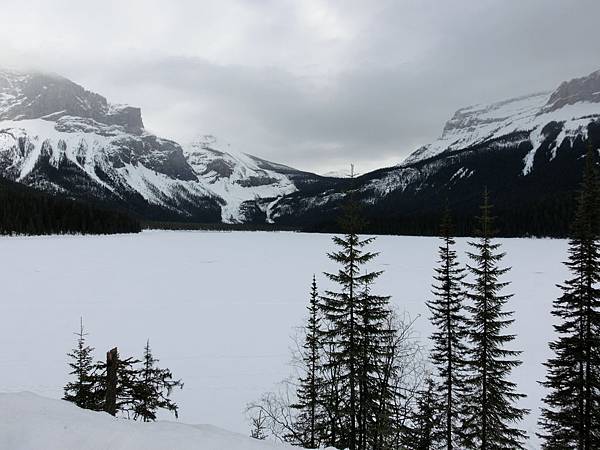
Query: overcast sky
<point x="310" y="83"/>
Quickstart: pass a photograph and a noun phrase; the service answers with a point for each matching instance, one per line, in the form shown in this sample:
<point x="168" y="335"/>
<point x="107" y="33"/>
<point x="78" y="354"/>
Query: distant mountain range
<point x="58" y="137"/>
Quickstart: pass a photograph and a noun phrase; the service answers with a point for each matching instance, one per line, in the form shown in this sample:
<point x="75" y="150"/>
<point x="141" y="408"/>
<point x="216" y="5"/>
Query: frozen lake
<point x="219" y="308"/>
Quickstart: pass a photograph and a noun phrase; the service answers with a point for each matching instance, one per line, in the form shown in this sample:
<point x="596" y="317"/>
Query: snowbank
<point x="31" y="422"/>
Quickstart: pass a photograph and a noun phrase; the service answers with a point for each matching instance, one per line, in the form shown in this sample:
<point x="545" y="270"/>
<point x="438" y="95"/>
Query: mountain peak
<point x="570" y="103"/>
<point x="34" y="95"/>
<point x="583" y="89"/>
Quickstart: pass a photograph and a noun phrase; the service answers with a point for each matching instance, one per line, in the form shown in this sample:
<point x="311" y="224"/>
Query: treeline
<point x="546" y="216"/>
<point x="133" y="388"/>
<point x="363" y="385"/>
<point x="26" y="211"/>
<point x="215" y="226"/>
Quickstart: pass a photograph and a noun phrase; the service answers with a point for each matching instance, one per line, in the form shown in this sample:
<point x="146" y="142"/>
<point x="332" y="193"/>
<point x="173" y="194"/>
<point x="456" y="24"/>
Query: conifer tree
<point x="310" y="422"/>
<point x="450" y="335"/>
<point x="341" y="308"/>
<point x="126" y="384"/>
<point x="571" y="417"/>
<point x="426" y="422"/>
<point x="152" y="389"/>
<point x="82" y="390"/>
<point x="332" y="397"/>
<point x="491" y="413"/>
<point x="351" y="312"/>
<point x="375" y="336"/>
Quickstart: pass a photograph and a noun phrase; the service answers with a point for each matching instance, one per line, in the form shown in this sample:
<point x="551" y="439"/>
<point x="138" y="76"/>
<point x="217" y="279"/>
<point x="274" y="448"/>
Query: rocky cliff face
<point x="58" y="136"/>
<point x="36" y="95"/>
<point x="585" y="89"/>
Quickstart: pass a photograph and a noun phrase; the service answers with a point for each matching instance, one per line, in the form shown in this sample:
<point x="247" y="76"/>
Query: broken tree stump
<point x="112" y="363"/>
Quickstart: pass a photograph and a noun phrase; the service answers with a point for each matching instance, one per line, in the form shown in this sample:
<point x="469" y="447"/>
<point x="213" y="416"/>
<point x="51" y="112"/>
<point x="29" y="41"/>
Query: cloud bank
<point x="310" y="83"/>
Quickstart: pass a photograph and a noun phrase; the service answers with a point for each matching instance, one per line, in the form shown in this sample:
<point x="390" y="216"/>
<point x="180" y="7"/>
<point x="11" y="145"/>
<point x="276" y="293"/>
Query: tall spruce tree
<point x="82" y="390"/>
<point x="310" y="421"/>
<point x="491" y="417"/>
<point x="375" y="392"/>
<point x="152" y="389"/>
<point x="333" y="395"/>
<point x="425" y="431"/>
<point x="450" y="335"/>
<point x="342" y="336"/>
<point x="571" y="417"/>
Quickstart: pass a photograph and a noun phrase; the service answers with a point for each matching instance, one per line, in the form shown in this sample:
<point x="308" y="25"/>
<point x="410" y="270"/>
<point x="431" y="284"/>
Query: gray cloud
<point x="315" y="84"/>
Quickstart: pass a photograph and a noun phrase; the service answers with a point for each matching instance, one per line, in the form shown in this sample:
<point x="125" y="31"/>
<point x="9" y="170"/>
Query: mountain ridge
<point x="59" y="137"/>
<point x="525" y="150"/>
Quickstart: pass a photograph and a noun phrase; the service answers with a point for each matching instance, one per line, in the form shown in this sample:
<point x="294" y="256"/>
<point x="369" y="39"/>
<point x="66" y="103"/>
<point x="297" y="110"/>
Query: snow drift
<point x="30" y="422"/>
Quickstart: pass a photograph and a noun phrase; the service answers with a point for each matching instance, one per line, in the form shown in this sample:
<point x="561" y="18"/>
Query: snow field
<point x="220" y="308"/>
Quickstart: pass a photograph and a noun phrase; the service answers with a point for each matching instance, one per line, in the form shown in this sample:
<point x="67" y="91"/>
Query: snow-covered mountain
<point x="247" y="184"/>
<point x="573" y="105"/>
<point x="59" y="137"/>
<point x="526" y="151"/>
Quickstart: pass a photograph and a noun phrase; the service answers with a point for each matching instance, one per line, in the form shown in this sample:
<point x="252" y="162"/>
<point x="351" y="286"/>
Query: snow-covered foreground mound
<point x="219" y="308"/>
<point x="31" y="422"/>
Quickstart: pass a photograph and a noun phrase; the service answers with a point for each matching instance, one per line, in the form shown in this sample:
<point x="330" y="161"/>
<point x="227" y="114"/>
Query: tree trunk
<point x="112" y="362"/>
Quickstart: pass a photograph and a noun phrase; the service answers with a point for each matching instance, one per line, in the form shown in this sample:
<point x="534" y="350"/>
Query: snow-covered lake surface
<point x="220" y="308"/>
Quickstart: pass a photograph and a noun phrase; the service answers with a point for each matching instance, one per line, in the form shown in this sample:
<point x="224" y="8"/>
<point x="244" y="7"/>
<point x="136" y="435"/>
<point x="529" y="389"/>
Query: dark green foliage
<point x="141" y="389"/>
<point x="356" y="341"/>
<point x="341" y="311"/>
<point x="491" y="414"/>
<point x="571" y="417"/>
<point x="82" y="390"/>
<point x="450" y="335"/>
<point x="309" y="422"/>
<point x="127" y="384"/>
<point x="376" y="393"/>
<point x="152" y="389"/>
<point x="425" y="432"/>
<point x="26" y="211"/>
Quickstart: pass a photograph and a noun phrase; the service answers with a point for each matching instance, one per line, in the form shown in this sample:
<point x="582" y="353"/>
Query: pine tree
<point x="341" y="310"/>
<point x="491" y="411"/>
<point x="571" y="418"/>
<point x="332" y="397"/>
<point x="426" y="422"/>
<point x="82" y="390"/>
<point x="375" y="337"/>
<point x="310" y="422"/>
<point x="355" y="326"/>
<point x="152" y="389"/>
<point x="449" y="337"/>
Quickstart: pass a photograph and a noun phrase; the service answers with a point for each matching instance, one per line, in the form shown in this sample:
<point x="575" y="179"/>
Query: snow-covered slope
<point x="573" y="104"/>
<point x="237" y="177"/>
<point x="476" y="124"/>
<point x="31" y="422"/>
<point x="59" y="137"/>
<point x="526" y="151"/>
